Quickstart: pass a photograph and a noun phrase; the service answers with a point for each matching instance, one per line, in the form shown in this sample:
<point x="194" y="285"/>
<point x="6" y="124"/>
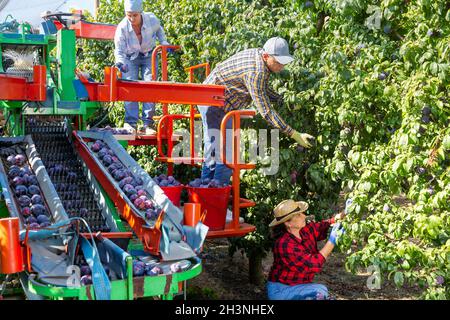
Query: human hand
<point x="304" y="139"/>
<point x="337" y="231"/>
<point x="122" y="67"/>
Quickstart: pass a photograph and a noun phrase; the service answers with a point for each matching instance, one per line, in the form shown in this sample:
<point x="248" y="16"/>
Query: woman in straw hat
<point x="296" y="258"/>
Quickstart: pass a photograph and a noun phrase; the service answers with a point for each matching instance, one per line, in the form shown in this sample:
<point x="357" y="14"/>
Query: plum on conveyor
<point x="65" y="169"/>
<point x="132" y="186"/>
<point x="26" y="189"/>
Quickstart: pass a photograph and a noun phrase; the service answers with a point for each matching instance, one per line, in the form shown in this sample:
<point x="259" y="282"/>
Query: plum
<point x="127" y="187"/>
<point x="11" y="160"/>
<point x="119" y="175"/>
<point x="140" y="192"/>
<point x="31" y="220"/>
<point x="425" y="119"/>
<point x="21" y="190"/>
<point x="152" y="270"/>
<point x="24" y="201"/>
<point x="170" y="179"/>
<point x="95" y="147"/>
<point x="138" y="268"/>
<point x="25" y="171"/>
<point x="102" y="153"/>
<point x="139" y="203"/>
<point x="34" y="190"/>
<point x="45" y="224"/>
<point x="14" y="171"/>
<point x="151" y="214"/>
<point x="85" y="270"/>
<point x="148" y="204"/>
<point x="19" y="159"/>
<point x="133" y="197"/>
<point x="426" y="111"/>
<point x="382" y="75"/>
<point x="42" y="218"/>
<point x="18" y="181"/>
<point x="164" y="183"/>
<point x="34" y="225"/>
<point x="36" y="199"/>
<point x="163" y="177"/>
<point x="107" y="161"/>
<point x="37" y="209"/>
<point x="32" y="180"/>
<point x="86" y="280"/>
<point x="115" y="159"/>
<point x="124" y="181"/>
<point x="26" y="211"/>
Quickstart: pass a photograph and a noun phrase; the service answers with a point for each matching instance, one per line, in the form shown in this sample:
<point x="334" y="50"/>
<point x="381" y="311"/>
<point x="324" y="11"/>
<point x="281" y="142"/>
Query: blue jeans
<point x="306" y="291"/>
<point x="213" y="167"/>
<point x="143" y="65"/>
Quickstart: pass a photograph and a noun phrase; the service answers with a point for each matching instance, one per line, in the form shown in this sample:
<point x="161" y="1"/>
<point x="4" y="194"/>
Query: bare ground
<point x="225" y="277"/>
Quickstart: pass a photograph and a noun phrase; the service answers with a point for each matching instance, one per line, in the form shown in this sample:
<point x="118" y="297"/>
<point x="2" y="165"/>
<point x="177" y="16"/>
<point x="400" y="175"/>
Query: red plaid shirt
<point x="295" y="260"/>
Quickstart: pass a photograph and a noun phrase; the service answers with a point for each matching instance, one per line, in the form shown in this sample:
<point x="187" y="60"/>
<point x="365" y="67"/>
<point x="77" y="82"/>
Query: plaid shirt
<point x="296" y="261"/>
<point x="246" y="77"/>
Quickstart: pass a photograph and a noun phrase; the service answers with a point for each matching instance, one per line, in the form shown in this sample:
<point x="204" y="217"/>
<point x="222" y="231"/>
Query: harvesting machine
<point x="70" y="228"/>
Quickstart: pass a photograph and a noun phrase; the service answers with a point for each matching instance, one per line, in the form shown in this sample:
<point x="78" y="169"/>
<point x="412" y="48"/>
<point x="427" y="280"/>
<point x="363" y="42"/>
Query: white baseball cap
<point x="279" y="49"/>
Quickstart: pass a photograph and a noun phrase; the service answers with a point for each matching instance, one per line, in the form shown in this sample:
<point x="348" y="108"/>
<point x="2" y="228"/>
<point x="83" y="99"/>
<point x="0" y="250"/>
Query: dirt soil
<point x="225" y="277"/>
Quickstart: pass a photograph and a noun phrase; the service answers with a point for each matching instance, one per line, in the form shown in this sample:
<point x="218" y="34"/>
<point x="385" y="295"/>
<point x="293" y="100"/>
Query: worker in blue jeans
<point x="134" y="41"/>
<point x="296" y="258"/>
<point x="246" y="77"/>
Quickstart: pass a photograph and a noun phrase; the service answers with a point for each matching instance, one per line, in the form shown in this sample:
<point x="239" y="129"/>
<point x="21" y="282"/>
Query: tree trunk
<point x="255" y="268"/>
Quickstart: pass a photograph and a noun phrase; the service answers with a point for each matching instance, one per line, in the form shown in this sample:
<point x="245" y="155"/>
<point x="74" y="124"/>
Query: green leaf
<point x="398" y="279"/>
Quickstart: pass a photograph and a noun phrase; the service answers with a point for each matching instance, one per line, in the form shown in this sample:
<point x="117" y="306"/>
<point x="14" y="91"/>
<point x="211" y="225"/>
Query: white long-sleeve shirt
<point x="126" y="42"/>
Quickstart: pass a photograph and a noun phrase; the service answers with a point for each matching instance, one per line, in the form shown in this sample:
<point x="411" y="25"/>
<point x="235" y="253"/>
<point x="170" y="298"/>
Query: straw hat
<point x="286" y="209"/>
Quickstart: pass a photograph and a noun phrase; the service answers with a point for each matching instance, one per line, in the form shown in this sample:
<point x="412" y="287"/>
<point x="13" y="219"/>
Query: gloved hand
<point x="304" y="139"/>
<point x="337" y="231"/>
<point x="122" y="67"/>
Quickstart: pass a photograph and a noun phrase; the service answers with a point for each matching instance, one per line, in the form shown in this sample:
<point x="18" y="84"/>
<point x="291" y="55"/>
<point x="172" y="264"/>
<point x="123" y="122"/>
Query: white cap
<point x="279" y="49"/>
<point x="132" y="5"/>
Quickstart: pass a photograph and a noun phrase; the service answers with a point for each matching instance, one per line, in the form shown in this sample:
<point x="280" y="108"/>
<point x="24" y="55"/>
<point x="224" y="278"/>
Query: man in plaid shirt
<point x="296" y="258"/>
<point x="246" y="78"/>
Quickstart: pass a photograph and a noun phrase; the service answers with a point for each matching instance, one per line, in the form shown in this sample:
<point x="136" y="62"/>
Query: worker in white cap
<point x="134" y="41"/>
<point x="246" y="78"/>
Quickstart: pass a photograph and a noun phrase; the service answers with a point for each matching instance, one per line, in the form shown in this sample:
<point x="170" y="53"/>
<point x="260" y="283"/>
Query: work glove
<point x="122" y="67"/>
<point x="304" y="139"/>
<point x="337" y="231"/>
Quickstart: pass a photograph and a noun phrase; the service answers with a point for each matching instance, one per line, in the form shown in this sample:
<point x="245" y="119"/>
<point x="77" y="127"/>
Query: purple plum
<point x="36" y="199"/>
<point x="32" y="180"/>
<point x="31" y="220"/>
<point x="86" y="280"/>
<point x="26" y="211"/>
<point x="138" y="268"/>
<point x="19" y="159"/>
<point x="133" y="197"/>
<point x="21" y="190"/>
<point x="34" y="225"/>
<point x="24" y="201"/>
<point x="42" y="218"/>
<point x="95" y="147"/>
<point x="37" y="209"/>
<point x="18" y="181"/>
<point x="11" y="160"/>
<point x="85" y="270"/>
<point x="153" y="271"/>
<point x="34" y="190"/>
